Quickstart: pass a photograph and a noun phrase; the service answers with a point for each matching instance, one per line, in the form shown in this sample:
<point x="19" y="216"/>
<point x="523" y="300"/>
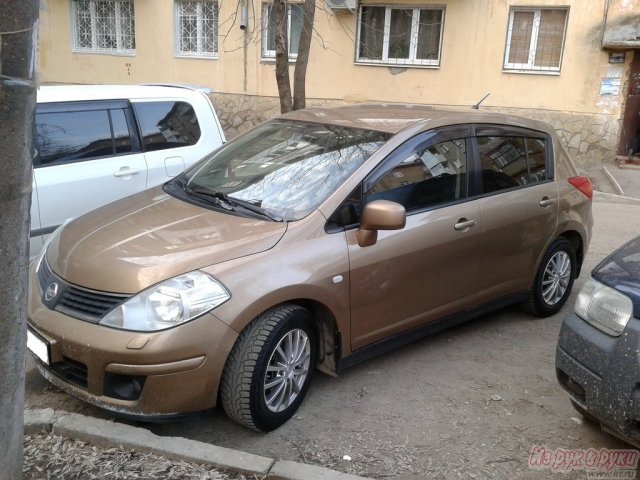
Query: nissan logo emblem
<point x="51" y="291"/>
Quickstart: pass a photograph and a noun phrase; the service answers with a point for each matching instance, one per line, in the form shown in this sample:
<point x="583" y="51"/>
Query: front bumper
<point x="144" y="375"/>
<point x="601" y="374"/>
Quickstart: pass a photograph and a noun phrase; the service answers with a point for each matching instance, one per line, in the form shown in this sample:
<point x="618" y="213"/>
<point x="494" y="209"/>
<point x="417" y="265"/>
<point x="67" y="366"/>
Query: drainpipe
<point x="244" y="22"/>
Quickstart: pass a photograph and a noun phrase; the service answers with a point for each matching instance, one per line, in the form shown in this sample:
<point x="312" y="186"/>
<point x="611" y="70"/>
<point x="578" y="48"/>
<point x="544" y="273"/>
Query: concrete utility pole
<point x="18" y="37"/>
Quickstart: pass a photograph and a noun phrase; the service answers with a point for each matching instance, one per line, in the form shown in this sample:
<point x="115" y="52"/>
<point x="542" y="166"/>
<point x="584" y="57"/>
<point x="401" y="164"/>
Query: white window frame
<point x="200" y="53"/>
<point x="94" y="30"/>
<point x="271" y="54"/>
<point x="533" y="45"/>
<point x="415" y="23"/>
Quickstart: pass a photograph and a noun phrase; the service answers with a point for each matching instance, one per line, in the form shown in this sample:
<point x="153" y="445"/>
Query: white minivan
<point x="99" y="143"/>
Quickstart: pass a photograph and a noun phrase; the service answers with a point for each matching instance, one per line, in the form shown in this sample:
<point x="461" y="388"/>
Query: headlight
<point x="604" y="307"/>
<point x="170" y="303"/>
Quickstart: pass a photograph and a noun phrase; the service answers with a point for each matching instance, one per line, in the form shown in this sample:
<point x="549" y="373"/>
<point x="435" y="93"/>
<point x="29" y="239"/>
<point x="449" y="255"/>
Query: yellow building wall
<point x="473" y="48"/>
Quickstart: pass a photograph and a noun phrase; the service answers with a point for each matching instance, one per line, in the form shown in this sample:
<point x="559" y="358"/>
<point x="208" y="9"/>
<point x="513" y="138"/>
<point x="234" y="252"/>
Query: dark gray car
<point x="598" y="353"/>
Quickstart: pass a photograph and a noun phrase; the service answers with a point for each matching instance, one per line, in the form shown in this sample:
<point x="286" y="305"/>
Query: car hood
<point x="131" y="244"/>
<point x="621" y="270"/>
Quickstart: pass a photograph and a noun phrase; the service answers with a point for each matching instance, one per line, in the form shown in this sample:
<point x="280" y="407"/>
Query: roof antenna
<point x="477" y="105"/>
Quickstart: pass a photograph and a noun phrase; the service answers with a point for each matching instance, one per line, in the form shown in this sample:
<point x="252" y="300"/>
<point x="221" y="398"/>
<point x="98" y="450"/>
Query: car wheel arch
<point x="325" y="322"/>
<point x="578" y="245"/>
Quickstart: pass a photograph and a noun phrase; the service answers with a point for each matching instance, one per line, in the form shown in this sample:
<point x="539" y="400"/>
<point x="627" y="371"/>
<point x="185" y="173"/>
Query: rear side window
<point x="509" y="162"/>
<point x="167" y="124"/>
<point x="73" y="136"/>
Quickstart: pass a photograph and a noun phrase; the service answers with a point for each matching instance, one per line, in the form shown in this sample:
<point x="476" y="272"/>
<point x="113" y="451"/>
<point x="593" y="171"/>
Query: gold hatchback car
<point x="314" y="241"/>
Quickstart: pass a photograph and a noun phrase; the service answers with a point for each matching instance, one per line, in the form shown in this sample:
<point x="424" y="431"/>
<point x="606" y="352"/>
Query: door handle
<point x="545" y="202"/>
<point x="464" y="224"/>
<point x="125" y="173"/>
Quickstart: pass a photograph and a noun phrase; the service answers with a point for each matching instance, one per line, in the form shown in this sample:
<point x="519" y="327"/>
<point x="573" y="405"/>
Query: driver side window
<point x="427" y="176"/>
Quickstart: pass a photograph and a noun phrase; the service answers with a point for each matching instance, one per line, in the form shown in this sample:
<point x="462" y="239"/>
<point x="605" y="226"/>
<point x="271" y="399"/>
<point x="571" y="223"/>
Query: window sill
<point x="553" y="73"/>
<point x="272" y="60"/>
<point x="115" y="53"/>
<point x="195" y="56"/>
<point x="397" y="65"/>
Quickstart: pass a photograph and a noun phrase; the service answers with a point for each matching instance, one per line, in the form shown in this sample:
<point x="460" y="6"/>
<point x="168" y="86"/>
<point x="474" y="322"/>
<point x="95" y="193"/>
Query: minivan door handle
<point x="545" y="202"/>
<point x="464" y="224"/>
<point x="125" y="172"/>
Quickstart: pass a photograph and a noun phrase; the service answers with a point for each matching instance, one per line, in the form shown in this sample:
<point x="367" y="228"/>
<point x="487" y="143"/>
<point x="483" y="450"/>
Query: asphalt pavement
<point x="466" y="403"/>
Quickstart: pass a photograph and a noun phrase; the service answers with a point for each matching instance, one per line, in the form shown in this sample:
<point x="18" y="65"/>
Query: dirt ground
<point x="468" y="403"/>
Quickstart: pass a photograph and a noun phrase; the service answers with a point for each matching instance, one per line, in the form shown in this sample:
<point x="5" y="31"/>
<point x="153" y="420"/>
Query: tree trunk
<point x="280" y="10"/>
<point x="18" y="21"/>
<point x="300" y="72"/>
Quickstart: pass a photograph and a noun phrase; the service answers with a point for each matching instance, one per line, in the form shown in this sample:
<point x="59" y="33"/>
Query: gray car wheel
<point x="554" y="279"/>
<point x="269" y="368"/>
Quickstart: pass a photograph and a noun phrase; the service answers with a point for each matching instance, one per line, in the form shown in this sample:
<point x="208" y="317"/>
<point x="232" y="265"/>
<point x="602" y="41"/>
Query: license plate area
<point x="38" y="347"/>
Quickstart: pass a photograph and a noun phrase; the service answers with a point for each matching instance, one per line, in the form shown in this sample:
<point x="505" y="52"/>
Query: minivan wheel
<point x="269" y="369"/>
<point x="554" y="279"/>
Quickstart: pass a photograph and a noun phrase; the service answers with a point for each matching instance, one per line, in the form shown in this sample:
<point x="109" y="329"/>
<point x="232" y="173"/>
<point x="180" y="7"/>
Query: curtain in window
<point x="371" y="33"/>
<point x="400" y="33"/>
<point x="429" y="35"/>
<point x="550" y="36"/>
<point x="522" y="30"/>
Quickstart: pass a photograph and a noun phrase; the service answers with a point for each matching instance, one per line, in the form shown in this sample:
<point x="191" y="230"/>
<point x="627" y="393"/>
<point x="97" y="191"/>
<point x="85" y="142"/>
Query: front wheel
<point x="554" y="279"/>
<point x="269" y="368"/>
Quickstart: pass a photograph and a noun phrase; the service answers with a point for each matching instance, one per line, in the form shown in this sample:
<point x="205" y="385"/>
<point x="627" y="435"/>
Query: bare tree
<point x="300" y="71"/>
<point x="18" y="20"/>
<point x="281" y="14"/>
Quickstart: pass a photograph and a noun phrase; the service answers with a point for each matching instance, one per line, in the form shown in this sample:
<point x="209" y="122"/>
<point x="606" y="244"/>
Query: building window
<point x="197" y="28"/>
<point x="295" y="15"/>
<point x="535" y="39"/>
<point x="404" y="36"/>
<point x="103" y="26"/>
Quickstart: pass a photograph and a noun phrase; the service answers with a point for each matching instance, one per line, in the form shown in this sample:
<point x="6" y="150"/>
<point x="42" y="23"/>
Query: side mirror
<point x="379" y="215"/>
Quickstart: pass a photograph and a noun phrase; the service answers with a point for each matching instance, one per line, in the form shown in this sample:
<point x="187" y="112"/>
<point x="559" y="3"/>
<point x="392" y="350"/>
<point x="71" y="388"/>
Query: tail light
<point x="583" y="184"/>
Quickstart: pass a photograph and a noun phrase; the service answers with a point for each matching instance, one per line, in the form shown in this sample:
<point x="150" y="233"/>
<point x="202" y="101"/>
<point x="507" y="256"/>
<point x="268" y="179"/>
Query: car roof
<point x="70" y="93"/>
<point x="392" y="118"/>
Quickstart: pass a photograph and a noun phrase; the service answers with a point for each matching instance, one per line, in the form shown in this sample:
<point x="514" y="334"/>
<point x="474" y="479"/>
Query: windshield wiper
<point x="228" y="203"/>
<point x="208" y="196"/>
<point x="247" y="205"/>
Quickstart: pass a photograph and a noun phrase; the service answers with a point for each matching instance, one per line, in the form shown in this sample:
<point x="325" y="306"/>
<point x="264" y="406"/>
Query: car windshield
<point x="283" y="168"/>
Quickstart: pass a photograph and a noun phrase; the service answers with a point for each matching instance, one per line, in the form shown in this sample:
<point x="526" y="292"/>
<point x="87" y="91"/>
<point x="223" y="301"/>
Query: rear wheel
<point x="269" y="368"/>
<point x="554" y="279"/>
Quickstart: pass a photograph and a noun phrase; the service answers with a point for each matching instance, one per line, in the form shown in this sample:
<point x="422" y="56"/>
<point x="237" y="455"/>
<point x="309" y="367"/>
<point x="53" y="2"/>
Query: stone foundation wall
<point x="589" y="138"/>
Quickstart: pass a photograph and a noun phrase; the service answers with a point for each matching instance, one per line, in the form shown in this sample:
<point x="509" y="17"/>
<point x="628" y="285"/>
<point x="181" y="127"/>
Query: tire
<point x="554" y="279"/>
<point x="245" y="391"/>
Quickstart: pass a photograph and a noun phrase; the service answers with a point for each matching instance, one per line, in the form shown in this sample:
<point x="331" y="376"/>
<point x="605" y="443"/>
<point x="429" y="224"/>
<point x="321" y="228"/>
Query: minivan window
<point x="167" y="124"/>
<point x="509" y="162"/>
<point x="121" y="133"/>
<point x="426" y="177"/>
<point x="285" y="168"/>
<point x="64" y="137"/>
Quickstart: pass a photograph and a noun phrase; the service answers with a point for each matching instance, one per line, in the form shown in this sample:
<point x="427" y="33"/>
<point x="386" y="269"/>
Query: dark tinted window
<point x="167" y="124"/>
<point x="72" y="136"/>
<point x="509" y="162"/>
<point x="425" y="177"/>
<point x="121" y="134"/>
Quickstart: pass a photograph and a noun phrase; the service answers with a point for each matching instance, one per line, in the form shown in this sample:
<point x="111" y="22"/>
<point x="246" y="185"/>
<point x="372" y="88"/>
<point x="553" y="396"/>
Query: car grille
<point x="77" y="302"/>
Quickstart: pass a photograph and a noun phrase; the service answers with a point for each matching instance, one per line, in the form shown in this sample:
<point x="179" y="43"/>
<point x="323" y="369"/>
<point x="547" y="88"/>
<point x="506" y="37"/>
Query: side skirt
<point x="419" y="333"/>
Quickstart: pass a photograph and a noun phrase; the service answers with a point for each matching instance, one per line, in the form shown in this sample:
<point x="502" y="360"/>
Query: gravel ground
<point x="50" y="457"/>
